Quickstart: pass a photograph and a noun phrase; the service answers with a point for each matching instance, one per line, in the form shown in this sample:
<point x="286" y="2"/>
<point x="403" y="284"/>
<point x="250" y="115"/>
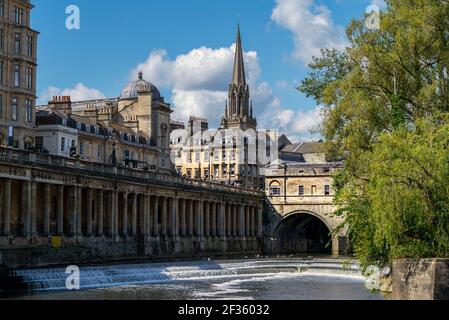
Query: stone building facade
<point x="73" y="211"/>
<point x="18" y="64"/>
<point x="132" y="130"/>
<point x="229" y="154"/>
<point x="300" y="195"/>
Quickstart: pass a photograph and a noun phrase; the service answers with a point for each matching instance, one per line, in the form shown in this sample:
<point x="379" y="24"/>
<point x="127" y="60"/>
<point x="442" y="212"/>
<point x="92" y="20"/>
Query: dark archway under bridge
<point x="303" y="233"/>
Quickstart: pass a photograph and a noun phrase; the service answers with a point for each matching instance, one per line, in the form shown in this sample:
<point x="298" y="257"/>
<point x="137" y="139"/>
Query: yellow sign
<point x="56" y="242"/>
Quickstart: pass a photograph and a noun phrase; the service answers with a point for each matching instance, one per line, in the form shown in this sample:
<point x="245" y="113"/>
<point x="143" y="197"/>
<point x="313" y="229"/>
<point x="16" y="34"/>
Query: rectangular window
<point x="62" y="144"/>
<point x="189" y="157"/>
<point x="2" y="8"/>
<point x="16" y="75"/>
<point x="206" y="173"/>
<point x="197" y="157"/>
<point x="313" y="190"/>
<point x="224" y="170"/>
<point x="18" y="15"/>
<point x="197" y="174"/>
<point x="327" y="190"/>
<point x="15" y="108"/>
<point x="17" y="43"/>
<point x="189" y="173"/>
<point x="2" y="67"/>
<point x="275" y="191"/>
<point x="327" y="170"/>
<point x="30" y="46"/>
<point x="301" y="190"/>
<point x="99" y="152"/>
<point x="1" y="106"/>
<point x="39" y="143"/>
<point x="216" y="171"/>
<point x="30" y="78"/>
<point x="29" y="110"/>
<point x="81" y="148"/>
<point x="206" y="155"/>
<point x="232" y="169"/>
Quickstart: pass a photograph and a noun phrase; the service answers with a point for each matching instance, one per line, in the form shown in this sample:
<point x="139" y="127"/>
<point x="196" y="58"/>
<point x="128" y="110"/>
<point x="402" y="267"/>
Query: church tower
<point x="239" y="109"/>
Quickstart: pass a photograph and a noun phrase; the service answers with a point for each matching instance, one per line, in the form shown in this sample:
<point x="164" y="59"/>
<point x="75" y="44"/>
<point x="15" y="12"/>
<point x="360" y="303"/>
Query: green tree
<point x="385" y="100"/>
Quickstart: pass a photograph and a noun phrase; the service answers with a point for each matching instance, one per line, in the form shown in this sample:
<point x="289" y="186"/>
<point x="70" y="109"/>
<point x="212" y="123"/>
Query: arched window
<point x="275" y="189"/>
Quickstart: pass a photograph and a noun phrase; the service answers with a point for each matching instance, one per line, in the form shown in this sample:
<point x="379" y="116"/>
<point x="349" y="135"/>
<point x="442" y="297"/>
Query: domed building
<point x="132" y="89"/>
<point x="130" y="130"/>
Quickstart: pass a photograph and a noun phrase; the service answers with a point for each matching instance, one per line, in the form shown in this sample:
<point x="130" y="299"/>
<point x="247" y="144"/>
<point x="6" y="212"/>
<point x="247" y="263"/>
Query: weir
<point x="92" y="277"/>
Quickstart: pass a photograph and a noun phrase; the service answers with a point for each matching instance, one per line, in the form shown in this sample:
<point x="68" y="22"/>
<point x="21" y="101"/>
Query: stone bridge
<point x="304" y="225"/>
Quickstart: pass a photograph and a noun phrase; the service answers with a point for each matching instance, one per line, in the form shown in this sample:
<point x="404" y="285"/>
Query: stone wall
<point x="425" y="279"/>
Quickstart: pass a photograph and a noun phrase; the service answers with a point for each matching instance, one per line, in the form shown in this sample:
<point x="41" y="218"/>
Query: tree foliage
<point x="386" y="103"/>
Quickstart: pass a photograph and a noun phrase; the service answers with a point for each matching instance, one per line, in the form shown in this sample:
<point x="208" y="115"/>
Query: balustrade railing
<point x="10" y="155"/>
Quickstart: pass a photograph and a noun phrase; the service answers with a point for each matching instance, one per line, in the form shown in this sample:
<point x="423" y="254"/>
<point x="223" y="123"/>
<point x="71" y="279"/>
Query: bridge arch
<point x="304" y="232"/>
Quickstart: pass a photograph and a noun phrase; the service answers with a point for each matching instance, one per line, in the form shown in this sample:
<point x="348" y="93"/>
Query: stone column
<point x="7" y="208"/>
<point x="100" y="213"/>
<point x="89" y="213"/>
<point x="164" y="204"/>
<point x="221" y="220"/>
<point x="156" y="217"/>
<point x="234" y="220"/>
<point x="174" y="218"/>
<point x="228" y="220"/>
<point x="259" y="221"/>
<point x="31" y="209"/>
<point x="199" y="219"/>
<point x="149" y="221"/>
<point x="241" y="216"/>
<point x="134" y="215"/>
<point x="79" y="217"/>
<point x="110" y="212"/>
<point x="191" y="219"/>
<point x="47" y="208"/>
<point x="214" y="220"/>
<point x="253" y="223"/>
<point x="182" y="211"/>
<point x="247" y="221"/>
<point x="143" y="215"/>
<point x="207" y="218"/>
<point x="116" y="203"/>
<point x="125" y="214"/>
<point x="60" y="213"/>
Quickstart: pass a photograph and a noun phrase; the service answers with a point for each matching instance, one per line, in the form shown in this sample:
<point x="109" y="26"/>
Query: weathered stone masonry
<point x="102" y="212"/>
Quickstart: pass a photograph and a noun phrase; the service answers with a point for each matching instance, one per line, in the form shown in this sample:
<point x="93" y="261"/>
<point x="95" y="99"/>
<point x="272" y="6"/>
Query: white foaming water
<point x="158" y="273"/>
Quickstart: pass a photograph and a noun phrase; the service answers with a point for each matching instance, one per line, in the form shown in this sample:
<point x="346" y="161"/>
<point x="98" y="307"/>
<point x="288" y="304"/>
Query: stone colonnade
<point x="38" y="209"/>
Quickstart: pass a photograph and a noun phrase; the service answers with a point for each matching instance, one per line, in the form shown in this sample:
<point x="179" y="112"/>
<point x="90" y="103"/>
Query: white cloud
<point x="312" y="27"/>
<point x="79" y="92"/>
<point x="297" y="124"/>
<point x="199" y="79"/>
<point x="380" y="3"/>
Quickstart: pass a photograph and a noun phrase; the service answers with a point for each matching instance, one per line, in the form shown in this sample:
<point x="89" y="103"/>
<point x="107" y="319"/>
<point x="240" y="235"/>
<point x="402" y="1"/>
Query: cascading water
<point x="91" y="277"/>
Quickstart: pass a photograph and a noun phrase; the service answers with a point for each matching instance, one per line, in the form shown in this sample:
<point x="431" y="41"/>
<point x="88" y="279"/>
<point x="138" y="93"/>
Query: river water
<point x="259" y="279"/>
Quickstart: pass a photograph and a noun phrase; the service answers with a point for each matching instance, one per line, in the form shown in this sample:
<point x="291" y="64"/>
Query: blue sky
<point x="184" y="48"/>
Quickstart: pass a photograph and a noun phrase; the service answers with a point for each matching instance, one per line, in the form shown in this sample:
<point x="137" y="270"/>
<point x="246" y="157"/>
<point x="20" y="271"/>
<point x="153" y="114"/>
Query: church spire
<point x="238" y="113"/>
<point x="239" y="77"/>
